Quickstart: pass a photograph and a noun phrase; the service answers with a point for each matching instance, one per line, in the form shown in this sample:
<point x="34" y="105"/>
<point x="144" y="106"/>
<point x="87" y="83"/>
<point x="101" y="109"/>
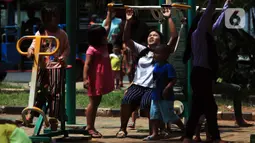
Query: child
<point x="162" y="96"/>
<point x="98" y="77"/>
<point x="116" y="60"/>
<point x="11" y="133"/>
<point x="50" y="19"/>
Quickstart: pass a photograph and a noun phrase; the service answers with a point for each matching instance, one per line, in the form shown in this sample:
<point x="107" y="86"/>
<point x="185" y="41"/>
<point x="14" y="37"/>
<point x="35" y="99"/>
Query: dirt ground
<point x="109" y="126"/>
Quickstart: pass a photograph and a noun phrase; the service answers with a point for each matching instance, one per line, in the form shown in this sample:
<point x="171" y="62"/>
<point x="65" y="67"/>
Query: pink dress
<point x="100" y="72"/>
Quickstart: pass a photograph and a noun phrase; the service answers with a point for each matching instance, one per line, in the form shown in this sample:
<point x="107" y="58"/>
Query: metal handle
<point x="24" y="112"/>
<point x="115" y="5"/>
<point x="38" y="40"/>
<point x="173" y="5"/>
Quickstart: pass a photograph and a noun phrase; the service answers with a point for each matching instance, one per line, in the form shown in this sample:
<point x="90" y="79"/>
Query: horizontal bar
<point x="143" y="7"/>
<point x="203" y="9"/>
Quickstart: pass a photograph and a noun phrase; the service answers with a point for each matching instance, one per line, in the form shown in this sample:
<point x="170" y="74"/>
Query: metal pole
<point x="70" y="78"/>
<point x="191" y="14"/>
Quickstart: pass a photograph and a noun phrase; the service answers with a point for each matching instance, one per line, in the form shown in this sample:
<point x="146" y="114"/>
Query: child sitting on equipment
<point x="116" y="60"/>
<point x="162" y="108"/>
<point x="11" y="133"/>
<point x="50" y="18"/>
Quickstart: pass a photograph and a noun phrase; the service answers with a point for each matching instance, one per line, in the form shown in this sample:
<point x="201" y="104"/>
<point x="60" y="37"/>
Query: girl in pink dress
<point x="98" y="77"/>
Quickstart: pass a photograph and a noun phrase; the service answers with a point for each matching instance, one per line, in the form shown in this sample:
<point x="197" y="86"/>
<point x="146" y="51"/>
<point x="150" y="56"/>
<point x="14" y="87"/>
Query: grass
<point x="8" y="85"/>
<point x="111" y="100"/>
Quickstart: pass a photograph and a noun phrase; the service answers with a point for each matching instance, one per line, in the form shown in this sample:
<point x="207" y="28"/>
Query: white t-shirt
<point x="144" y="69"/>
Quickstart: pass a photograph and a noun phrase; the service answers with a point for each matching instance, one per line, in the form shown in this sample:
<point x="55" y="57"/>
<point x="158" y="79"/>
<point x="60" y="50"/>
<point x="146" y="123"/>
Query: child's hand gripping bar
<point x="38" y="44"/>
<point x="24" y="112"/>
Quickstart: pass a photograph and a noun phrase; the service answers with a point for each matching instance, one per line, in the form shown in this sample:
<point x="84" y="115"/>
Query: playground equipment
<point x="58" y="79"/>
<point x="178" y="10"/>
<point x="9" y="54"/>
<point x="80" y="56"/>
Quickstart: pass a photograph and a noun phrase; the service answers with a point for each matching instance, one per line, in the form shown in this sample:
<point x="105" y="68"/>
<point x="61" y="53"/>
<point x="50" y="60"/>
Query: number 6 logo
<point x="235" y="18"/>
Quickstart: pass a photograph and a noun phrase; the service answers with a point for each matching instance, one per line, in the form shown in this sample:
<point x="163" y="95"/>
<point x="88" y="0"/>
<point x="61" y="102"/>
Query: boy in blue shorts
<point x="162" y="108"/>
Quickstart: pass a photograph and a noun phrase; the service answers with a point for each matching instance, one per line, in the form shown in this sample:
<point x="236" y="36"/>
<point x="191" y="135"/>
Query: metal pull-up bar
<point x="173" y="5"/>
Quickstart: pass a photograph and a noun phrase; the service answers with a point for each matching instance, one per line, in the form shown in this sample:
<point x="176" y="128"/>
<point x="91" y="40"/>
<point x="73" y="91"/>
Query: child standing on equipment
<point x="164" y="77"/>
<point x="50" y="18"/>
<point x="98" y="77"/>
<point x="116" y="60"/>
<point x="11" y="133"/>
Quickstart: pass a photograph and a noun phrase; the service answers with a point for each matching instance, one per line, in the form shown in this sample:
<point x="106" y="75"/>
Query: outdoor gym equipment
<point x="57" y="75"/>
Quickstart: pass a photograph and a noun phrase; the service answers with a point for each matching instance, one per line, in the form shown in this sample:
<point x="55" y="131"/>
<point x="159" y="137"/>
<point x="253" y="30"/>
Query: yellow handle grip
<point x="181" y="6"/>
<point x="38" y="40"/>
<point x="115" y="5"/>
<point x="24" y="112"/>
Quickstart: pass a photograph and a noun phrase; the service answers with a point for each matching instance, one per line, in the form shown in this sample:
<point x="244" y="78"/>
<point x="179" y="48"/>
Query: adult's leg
<point x="91" y="112"/>
<point x="211" y="109"/>
<point x="133" y="117"/>
<point x="146" y="105"/>
<point x="129" y="104"/>
<point x="196" y="108"/>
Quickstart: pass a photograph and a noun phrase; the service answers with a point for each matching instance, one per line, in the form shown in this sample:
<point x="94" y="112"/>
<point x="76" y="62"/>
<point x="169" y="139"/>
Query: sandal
<point x="95" y="134"/>
<point x="121" y="134"/>
<point x="151" y="138"/>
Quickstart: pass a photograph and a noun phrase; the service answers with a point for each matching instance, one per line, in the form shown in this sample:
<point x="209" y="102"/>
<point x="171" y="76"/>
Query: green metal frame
<point x="48" y="133"/>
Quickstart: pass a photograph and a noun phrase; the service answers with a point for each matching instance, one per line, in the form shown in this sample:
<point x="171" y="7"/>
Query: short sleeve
<point x="139" y="47"/>
<point x="171" y="71"/>
<point x="32" y="46"/>
<point x="90" y="51"/>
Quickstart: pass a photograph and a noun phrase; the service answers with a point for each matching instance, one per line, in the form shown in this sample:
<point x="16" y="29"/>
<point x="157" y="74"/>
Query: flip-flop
<point x="95" y="134"/>
<point x="151" y="138"/>
<point x="121" y="134"/>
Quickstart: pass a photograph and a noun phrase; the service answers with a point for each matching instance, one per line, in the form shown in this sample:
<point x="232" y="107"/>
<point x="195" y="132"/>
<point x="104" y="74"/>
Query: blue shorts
<point x="163" y="110"/>
<point x="138" y="96"/>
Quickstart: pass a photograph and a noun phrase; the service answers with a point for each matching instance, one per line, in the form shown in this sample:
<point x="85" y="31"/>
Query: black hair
<point x="162" y="40"/>
<point x="161" y="48"/>
<point x="96" y="33"/>
<point x="47" y="12"/>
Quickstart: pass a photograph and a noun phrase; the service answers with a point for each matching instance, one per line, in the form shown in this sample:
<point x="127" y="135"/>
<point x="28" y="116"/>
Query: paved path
<point x="108" y="126"/>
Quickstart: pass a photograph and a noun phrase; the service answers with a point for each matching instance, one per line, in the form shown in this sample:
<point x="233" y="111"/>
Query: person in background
<point x="116" y="60"/>
<point x="93" y="19"/>
<point x="114" y="29"/>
